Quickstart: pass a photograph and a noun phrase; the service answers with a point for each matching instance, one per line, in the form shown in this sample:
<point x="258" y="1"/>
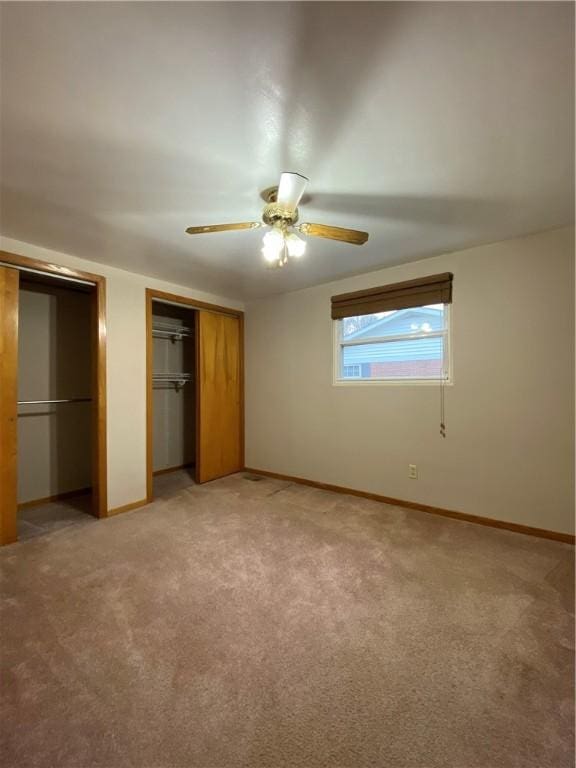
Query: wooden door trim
<point x="149" y="401"/>
<point x="197" y="385"/>
<point x="99" y="433"/>
<point x="99" y="439"/>
<point x="242" y="416"/>
<point x="193" y="303"/>
<point x="154" y="295"/>
<point x="18" y="260"/>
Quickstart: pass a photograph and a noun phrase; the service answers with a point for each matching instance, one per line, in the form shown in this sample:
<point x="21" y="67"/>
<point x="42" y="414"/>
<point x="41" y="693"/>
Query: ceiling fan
<point x="281" y="215"/>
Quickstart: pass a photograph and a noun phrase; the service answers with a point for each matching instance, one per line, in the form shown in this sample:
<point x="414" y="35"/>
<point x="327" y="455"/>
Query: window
<point x="398" y="345"/>
<point x="351" y="371"/>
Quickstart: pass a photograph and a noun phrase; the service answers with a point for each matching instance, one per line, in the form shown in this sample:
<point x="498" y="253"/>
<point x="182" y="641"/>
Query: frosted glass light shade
<point x="274" y="239"/>
<point x="296" y="246"/>
<point x="271" y="254"/>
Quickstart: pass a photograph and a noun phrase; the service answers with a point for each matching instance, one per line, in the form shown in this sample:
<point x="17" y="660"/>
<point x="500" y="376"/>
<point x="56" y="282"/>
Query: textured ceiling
<point x="434" y="126"/>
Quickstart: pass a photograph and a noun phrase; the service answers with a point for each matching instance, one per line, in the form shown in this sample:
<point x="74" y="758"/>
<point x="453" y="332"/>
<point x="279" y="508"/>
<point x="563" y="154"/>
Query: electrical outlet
<point x="412" y="471"/>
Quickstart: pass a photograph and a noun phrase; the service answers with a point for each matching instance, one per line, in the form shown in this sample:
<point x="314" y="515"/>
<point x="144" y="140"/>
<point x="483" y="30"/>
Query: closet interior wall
<point x="174" y="400"/>
<point x="54" y="362"/>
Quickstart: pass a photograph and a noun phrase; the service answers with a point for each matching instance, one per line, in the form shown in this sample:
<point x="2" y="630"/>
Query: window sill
<point x="392" y="382"/>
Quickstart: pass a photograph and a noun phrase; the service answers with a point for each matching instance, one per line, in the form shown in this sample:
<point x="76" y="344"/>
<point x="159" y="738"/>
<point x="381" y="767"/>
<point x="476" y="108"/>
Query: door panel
<point x="219" y="393"/>
<point x="9" y="280"/>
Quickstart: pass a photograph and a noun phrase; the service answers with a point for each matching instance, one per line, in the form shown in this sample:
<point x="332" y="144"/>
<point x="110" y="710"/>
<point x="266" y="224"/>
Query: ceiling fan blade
<point x="290" y="190"/>
<point x="353" y="236"/>
<point x="223" y="227"/>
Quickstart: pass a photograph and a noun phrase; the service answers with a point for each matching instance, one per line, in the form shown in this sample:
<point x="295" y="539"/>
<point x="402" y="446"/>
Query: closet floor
<point x="75" y="511"/>
<point x="172" y="483"/>
<point x="54" y="515"/>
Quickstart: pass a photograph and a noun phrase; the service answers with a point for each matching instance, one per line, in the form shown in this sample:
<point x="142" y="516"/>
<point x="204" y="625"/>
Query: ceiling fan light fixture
<point x="281" y="243"/>
<point x="274" y="246"/>
<point x="273" y="252"/>
<point x="295" y="245"/>
<point x="274" y="239"/>
<point x="271" y="255"/>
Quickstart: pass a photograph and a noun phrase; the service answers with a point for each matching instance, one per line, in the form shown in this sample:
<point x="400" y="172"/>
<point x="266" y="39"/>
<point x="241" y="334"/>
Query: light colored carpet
<point x="267" y="625"/>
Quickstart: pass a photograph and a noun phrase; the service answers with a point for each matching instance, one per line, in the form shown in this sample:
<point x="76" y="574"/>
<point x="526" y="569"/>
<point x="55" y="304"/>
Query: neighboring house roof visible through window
<point x="400" y="322"/>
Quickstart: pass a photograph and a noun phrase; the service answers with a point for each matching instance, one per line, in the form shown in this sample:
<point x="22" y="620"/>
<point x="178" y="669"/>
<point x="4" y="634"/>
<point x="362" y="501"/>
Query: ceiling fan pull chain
<point x="442" y="403"/>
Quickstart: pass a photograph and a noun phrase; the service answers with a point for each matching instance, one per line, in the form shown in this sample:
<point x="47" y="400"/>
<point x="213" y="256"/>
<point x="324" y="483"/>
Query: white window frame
<point x="338" y="345"/>
<point x="353" y="365"/>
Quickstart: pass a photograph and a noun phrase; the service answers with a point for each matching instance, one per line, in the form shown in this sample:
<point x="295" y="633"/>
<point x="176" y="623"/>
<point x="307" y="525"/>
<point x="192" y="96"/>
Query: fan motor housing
<point x="273" y="213"/>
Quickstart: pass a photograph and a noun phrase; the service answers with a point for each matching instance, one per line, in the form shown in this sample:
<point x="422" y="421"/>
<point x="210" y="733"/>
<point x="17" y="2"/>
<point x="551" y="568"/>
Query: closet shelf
<point x="183" y="376"/>
<point x="174" y="333"/>
<point x="178" y="379"/>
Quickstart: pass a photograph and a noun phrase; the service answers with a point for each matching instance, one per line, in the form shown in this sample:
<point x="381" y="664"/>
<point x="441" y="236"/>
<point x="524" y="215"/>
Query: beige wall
<point x="54" y="362"/>
<point x="126" y="364"/>
<point x="510" y="412"/>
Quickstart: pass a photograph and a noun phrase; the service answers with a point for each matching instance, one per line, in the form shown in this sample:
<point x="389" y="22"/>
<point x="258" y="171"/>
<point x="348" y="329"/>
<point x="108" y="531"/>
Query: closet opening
<point x="55" y="404"/>
<point x="195" y="392"/>
<point x="52" y="397"/>
<point x="173" y="398"/>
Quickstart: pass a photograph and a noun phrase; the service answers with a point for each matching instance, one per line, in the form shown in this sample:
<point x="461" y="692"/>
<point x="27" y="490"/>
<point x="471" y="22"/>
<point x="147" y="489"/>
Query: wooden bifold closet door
<point x="9" y="281"/>
<point x="219" y="395"/>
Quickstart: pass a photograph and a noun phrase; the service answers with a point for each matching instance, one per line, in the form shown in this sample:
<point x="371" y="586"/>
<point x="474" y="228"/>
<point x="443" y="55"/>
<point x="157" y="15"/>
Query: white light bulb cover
<point x="274" y="239"/>
<point x="295" y="245"/>
<point x="271" y="254"/>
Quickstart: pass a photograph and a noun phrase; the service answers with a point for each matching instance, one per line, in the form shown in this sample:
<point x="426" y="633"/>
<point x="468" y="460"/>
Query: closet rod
<point x="46" y="274"/>
<point x="167" y="375"/>
<point x="46" y="402"/>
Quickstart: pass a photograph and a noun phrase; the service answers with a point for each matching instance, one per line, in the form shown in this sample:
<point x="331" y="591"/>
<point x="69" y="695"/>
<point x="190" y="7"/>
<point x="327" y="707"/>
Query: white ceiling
<point x="433" y="126"/>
